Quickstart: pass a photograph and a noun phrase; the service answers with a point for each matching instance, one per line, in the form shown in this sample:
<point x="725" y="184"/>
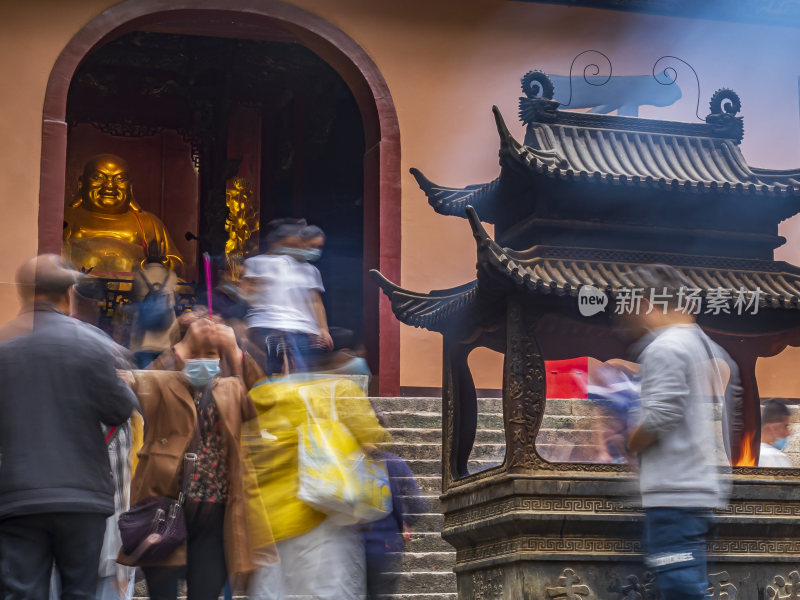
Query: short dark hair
<point x="774" y="411"/>
<point x="309" y="232"/>
<point x="155" y="252"/>
<point x="281" y="233"/>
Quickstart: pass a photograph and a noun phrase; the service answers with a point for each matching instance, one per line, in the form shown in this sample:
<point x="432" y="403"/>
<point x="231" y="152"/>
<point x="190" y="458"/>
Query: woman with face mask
<point x="195" y="410"/>
<point x="286" y="320"/>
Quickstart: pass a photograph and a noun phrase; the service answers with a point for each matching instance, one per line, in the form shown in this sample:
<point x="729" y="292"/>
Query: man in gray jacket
<point x="58" y="386"/>
<point x="681" y="448"/>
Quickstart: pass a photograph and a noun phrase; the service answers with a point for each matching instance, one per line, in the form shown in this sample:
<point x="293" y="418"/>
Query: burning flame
<point x="746" y="456"/>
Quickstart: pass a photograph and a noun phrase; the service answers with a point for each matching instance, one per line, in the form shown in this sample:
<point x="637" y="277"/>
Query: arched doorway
<point x="245" y="19"/>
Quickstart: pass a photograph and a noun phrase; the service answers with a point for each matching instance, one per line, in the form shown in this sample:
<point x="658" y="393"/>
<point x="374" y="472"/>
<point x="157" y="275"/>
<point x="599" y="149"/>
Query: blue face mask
<point x="302" y="254"/>
<point x="780" y="444"/>
<point x="313" y="254"/>
<point x="200" y="371"/>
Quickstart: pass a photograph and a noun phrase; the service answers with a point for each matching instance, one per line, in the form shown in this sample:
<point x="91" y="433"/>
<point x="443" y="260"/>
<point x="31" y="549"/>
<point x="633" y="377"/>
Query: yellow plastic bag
<point x="335" y="476"/>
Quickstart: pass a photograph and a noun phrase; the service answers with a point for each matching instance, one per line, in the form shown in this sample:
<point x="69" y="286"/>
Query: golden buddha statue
<point x="105" y="230"/>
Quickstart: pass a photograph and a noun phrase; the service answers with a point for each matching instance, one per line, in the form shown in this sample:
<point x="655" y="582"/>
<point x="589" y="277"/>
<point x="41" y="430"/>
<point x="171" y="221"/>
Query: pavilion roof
<point x="561" y="272"/>
<point x="570" y="147"/>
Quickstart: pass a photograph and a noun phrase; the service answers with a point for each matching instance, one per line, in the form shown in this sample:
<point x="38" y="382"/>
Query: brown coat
<point x="170" y="420"/>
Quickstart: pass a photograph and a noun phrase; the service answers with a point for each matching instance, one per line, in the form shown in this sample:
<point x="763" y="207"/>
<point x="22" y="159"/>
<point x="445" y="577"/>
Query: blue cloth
<point x="386" y="534"/>
<point x="675" y="541"/>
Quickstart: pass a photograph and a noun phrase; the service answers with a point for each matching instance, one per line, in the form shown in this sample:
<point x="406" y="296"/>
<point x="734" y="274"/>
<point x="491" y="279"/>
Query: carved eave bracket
<point x="454" y="201"/>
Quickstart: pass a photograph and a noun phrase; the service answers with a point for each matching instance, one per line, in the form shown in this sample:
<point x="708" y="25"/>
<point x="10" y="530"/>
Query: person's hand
<point x="226" y="341"/>
<point x="127" y="377"/>
<point x="326" y="339"/>
<point x="228" y="349"/>
<point x="199" y="337"/>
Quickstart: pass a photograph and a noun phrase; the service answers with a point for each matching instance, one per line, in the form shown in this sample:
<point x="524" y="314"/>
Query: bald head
<point x="45" y="277"/>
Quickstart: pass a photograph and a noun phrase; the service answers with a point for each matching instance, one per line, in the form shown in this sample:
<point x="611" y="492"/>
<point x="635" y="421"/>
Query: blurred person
<point x="318" y="558"/>
<point x="313" y="240"/>
<point x="282" y="320"/>
<point x="613" y="388"/>
<point x="60" y="386"/>
<point x="115" y="581"/>
<point x="775" y="431"/>
<point x="154" y="327"/>
<point x="227" y="300"/>
<point x="385" y="538"/>
<point x="675" y="438"/>
<point x="199" y="411"/>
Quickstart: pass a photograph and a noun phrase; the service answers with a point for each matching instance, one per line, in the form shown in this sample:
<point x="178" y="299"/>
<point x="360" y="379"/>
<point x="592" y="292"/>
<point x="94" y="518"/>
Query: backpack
<point x="155" y="310"/>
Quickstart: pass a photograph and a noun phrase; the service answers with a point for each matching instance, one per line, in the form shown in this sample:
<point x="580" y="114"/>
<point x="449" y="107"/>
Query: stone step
<point x="487" y="405"/>
<point x="430" y="503"/>
<point x="430" y="561"/>
<point x="410" y="435"/>
<point x="427" y="542"/>
<point x="434" y="466"/>
<point x="428" y="522"/>
<point x="433" y="420"/>
<point x="427" y="582"/>
<point x="439" y="596"/>
<point x="480" y="452"/>
<point x="427" y="483"/>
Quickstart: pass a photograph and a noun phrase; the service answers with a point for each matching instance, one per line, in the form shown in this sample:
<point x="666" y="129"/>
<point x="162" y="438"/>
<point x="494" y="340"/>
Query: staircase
<point x="416" y="428"/>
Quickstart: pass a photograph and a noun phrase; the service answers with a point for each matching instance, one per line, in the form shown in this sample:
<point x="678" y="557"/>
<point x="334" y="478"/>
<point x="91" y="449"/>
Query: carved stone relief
<point x="781" y="589"/>
<point x="487" y="584"/>
<point x="720" y="586"/>
<point x="569" y="587"/>
<point x="524" y="388"/>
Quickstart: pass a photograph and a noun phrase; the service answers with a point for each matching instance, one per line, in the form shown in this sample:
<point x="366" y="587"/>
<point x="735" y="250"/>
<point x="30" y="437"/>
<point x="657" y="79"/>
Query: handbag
<point x="335" y="476"/>
<point x="152" y="529"/>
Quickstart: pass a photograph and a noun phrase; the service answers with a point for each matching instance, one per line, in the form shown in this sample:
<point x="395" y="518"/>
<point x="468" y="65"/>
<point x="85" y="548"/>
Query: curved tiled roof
<point x="562" y="271"/>
<point x="636" y="157"/>
<point x="625" y="151"/>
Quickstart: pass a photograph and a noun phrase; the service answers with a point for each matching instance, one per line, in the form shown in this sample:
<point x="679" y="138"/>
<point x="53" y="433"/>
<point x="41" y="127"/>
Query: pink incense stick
<point x="207" y="263"/>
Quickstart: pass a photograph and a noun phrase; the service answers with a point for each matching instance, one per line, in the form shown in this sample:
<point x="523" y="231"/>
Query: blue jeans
<point x="675" y="541"/>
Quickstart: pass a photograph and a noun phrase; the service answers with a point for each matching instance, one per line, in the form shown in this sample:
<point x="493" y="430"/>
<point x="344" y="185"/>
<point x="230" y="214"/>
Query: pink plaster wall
<point x="446" y="63"/>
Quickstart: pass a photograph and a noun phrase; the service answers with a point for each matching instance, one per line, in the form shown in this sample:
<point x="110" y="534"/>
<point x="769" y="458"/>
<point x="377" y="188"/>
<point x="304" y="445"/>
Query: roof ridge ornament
<point x="538" y="103"/>
<point x="724" y="105"/>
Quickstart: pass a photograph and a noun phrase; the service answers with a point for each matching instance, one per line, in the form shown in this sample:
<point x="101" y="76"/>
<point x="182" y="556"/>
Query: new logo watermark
<point x="694" y="301"/>
<point x="591" y="300"/>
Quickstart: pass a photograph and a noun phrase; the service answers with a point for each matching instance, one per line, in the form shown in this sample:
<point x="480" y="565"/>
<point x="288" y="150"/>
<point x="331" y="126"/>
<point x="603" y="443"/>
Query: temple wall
<point x="445" y="63"/>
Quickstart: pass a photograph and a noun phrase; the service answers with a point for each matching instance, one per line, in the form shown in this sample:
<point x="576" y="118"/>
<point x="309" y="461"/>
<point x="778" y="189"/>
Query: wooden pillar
<point x="244" y="142"/>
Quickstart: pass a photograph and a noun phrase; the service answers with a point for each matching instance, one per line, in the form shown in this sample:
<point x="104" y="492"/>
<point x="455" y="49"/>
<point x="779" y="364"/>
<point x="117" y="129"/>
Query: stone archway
<point x="244" y="18"/>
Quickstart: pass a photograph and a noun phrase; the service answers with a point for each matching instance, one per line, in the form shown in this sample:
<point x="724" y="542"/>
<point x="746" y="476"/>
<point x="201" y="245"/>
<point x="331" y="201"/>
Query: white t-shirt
<point x="282" y="293"/>
<point x="770" y="456"/>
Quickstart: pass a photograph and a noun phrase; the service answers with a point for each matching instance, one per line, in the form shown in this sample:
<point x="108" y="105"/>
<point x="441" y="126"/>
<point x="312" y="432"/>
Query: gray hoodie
<point x="687" y="465"/>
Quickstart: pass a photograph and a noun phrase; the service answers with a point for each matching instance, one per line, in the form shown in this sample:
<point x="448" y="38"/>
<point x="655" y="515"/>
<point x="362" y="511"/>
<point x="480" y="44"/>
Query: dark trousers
<point x="283" y="348"/>
<point x="30" y="544"/>
<point x="382" y="571"/>
<point x="205" y="570"/>
<point x="675" y="540"/>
